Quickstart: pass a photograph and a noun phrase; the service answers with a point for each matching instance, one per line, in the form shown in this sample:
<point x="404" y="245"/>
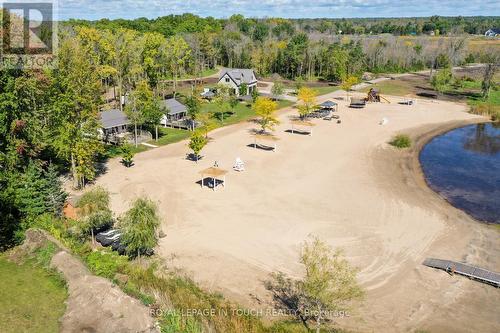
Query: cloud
<point x="95" y="9"/>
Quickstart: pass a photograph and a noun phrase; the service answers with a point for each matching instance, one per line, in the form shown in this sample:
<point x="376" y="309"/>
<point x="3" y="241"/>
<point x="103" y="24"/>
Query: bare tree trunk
<point x="135" y="133"/>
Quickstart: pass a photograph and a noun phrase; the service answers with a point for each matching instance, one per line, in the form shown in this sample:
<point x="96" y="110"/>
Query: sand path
<point x="344" y="184"/>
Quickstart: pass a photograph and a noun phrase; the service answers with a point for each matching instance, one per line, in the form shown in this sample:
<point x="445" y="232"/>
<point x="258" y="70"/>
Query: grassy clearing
<point x="170" y="135"/>
<point x="392" y="87"/>
<point x="320" y="89"/>
<point x="32" y="296"/>
<point x="205" y="73"/>
<point x="479" y="105"/>
<point x="326" y="89"/>
<point x="242" y="112"/>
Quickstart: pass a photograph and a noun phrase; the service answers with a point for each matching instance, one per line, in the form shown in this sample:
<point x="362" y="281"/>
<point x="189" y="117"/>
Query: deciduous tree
<point x="139" y="225"/>
<point x="328" y="287"/>
<point x="265" y="108"/>
<point x="197" y="143"/>
<point x="307" y="100"/>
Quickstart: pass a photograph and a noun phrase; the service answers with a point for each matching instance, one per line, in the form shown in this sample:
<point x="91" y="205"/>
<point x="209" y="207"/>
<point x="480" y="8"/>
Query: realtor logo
<point x="29" y="33"/>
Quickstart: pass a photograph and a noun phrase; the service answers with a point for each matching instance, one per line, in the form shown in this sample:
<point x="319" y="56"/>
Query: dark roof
<point x="239" y="75"/>
<point x="328" y="104"/>
<point x="113" y="118"/>
<point x="174" y="106"/>
<point x="494" y="30"/>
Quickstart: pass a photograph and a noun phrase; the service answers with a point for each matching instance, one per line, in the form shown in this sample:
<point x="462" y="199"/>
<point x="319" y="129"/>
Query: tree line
<point x="306" y="48"/>
<point x="188" y="23"/>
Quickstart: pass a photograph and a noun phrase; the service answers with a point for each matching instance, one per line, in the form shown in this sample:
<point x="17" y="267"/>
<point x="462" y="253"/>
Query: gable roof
<point x="494" y="30"/>
<point x="239" y="75"/>
<point x="174" y="106"/>
<point x="113" y="118"/>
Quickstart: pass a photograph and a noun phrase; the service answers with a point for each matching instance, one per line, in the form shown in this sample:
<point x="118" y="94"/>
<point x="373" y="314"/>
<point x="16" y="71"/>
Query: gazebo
<point x="214" y="173"/>
<point x="302" y="123"/>
<point x="265" y="137"/>
<point x="329" y="105"/>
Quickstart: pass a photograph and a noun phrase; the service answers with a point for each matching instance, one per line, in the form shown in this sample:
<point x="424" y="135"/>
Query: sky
<point x="112" y="9"/>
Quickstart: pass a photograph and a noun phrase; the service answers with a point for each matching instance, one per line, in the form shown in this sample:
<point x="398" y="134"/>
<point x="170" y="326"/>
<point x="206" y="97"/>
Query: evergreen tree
<point x="55" y="197"/>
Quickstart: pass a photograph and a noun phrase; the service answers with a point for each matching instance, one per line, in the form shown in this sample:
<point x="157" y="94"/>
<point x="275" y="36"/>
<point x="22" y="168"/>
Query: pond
<point x="463" y="166"/>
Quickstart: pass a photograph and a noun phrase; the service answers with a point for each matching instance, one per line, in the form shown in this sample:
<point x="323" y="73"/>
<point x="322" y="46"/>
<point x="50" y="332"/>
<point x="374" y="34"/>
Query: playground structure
<point x="374" y="96"/>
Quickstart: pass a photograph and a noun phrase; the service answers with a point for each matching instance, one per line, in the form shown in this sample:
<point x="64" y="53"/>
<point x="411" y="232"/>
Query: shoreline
<point x="421" y="140"/>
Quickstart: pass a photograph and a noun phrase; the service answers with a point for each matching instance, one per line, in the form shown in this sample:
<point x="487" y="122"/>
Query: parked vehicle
<point x="106" y="238"/>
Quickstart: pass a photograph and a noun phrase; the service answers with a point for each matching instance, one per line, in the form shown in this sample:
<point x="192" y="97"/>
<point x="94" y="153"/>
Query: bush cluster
<point x="401" y="141"/>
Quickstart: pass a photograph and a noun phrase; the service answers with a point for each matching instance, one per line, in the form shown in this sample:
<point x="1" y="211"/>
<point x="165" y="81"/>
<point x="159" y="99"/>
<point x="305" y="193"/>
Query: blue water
<point x="463" y="166"/>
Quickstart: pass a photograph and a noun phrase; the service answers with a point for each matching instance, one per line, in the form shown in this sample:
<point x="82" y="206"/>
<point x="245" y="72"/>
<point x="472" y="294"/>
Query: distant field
<point x="31" y="299"/>
<point x="479" y="44"/>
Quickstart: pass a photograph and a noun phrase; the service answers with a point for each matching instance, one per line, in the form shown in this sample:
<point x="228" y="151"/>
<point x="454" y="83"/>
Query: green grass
<point x="326" y="89"/>
<point x="205" y="73"/>
<point x="321" y="90"/>
<point x="31" y="297"/>
<point x="392" y="87"/>
<point x="170" y="135"/>
<point x="479" y="105"/>
<point x="242" y="112"/>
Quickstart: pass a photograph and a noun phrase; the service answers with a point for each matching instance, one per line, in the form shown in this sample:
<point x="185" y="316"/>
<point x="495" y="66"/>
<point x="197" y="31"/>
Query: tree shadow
<point x="209" y="182"/>
<point x="260" y="146"/>
<point x="192" y="157"/>
<point x="101" y="168"/>
<point x="127" y="164"/>
<point x="429" y="94"/>
<point x="298" y="132"/>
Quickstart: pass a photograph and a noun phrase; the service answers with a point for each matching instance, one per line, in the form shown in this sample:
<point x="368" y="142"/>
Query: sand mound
<point x="96" y="305"/>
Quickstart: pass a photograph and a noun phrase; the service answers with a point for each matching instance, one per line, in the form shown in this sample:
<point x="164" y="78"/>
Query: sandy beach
<point x="344" y="184"/>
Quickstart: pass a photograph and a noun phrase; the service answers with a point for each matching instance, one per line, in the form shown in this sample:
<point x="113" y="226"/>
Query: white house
<point x="236" y="77"/>
<point x="492" y="33"/>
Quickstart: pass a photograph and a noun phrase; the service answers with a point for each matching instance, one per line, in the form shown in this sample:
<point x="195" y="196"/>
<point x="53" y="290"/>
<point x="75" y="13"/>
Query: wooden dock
<point x="469" y="271"/>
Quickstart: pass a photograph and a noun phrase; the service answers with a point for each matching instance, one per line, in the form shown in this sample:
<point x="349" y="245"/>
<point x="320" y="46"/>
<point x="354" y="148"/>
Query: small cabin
<point x="176" y="111"/>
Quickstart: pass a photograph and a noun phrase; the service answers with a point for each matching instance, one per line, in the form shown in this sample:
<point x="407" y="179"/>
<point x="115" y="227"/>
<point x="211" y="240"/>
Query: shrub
<point x="401" y="141"/>
<point x="94" y="200"/>
<point x="131" y="289"/>
<point x="106" y="263"/>
<point x="127" y="155"/>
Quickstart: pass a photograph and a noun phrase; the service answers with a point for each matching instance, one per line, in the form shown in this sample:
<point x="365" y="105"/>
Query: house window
<point x="227" y="80"/>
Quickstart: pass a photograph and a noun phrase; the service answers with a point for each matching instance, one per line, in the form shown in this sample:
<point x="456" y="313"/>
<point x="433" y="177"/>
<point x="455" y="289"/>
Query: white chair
<point x="239" y="165"/>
